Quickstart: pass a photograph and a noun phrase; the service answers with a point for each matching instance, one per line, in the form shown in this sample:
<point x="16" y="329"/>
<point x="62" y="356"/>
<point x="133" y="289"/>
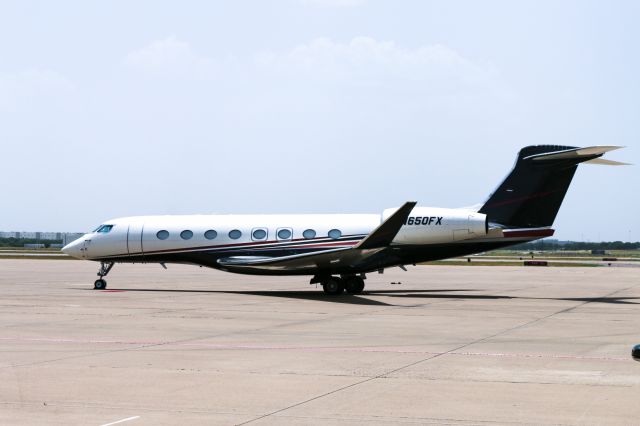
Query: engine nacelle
<point x="428" y="225"/>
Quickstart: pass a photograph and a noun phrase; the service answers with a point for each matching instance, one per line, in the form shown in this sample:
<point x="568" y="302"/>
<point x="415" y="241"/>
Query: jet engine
<point x="427" y="225"/>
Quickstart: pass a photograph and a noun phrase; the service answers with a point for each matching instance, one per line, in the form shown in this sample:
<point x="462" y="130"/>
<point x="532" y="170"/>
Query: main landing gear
<point x="101" y="283"/>
<point x="334" y="286"/>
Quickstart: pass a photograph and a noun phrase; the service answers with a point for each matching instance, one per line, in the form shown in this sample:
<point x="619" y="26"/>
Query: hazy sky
<point x="112" y="109"/>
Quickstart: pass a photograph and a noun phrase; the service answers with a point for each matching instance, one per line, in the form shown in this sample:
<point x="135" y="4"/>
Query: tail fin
<point x="531" y="195"/>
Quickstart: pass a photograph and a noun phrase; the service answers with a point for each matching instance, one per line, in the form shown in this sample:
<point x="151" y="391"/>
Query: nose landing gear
<point x="100" y="283"/>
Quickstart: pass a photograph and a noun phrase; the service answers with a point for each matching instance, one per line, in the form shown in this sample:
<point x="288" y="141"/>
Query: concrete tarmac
<point x="189" y="345"/>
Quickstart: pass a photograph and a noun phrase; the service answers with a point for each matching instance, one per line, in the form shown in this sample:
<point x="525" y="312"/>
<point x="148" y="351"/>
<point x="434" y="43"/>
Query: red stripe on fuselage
<point x="339" y="243"/>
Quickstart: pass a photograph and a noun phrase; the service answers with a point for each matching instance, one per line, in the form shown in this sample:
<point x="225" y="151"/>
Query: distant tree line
<point x="555" y="245"/>
<point x="20" y="242"/>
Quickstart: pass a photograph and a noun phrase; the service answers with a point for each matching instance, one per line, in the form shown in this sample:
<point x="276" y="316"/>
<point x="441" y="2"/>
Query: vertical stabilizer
<point x="531" y="195"/>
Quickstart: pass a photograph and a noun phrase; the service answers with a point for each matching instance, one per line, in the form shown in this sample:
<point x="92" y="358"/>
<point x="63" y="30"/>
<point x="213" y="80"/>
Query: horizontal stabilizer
<point x="575" y="153"/>
<point x="606" y="162"/>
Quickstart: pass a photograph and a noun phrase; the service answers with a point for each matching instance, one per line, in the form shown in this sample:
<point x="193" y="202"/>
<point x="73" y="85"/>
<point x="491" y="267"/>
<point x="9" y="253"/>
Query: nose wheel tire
<point x="100" y="283"/>
<point x="333" y="286"/>
<point x="354" y="285"/>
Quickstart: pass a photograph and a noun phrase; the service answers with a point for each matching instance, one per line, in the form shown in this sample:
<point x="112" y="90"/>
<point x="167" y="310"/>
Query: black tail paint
<point x="531" y="195"/>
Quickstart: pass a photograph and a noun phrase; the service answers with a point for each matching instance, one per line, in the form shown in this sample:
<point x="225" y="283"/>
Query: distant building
<point x="68" y="237"/>
<point x="64" y="237"/>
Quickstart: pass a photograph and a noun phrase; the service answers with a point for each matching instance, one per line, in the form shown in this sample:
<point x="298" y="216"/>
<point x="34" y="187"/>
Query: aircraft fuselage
<point x="427" y="234"/>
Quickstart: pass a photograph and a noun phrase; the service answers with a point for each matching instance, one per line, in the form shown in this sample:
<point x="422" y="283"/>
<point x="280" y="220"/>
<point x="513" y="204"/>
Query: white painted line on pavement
<point x="121" y="421"/>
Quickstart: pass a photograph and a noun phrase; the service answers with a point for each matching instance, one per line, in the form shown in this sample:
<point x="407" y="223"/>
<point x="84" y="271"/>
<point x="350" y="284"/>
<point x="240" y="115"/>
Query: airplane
<point x="338" y="250"/>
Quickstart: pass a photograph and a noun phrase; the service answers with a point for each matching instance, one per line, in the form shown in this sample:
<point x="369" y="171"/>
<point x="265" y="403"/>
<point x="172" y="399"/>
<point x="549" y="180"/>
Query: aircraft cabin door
<point x="134" y="239"/>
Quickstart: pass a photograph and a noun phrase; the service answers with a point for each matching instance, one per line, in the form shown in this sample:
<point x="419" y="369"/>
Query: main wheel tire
<point x="354" y="285"/>
<point x="333" y="286"/>
<point x="100" y="284"/>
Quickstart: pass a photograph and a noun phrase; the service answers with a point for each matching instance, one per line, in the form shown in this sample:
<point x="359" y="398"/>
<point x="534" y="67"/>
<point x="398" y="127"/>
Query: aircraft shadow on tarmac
<point x="406" y="294"/>
<point x="305" y="295"/>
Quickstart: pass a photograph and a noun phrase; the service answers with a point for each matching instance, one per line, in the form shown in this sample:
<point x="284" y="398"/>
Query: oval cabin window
<point x="335" y="234"/>
<point x="284" y="234"/>
<point x="259" y="234"/>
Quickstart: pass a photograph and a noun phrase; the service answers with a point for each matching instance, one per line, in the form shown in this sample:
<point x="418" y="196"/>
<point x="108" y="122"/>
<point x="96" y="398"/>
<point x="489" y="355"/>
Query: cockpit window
<point x="103" y="229"/>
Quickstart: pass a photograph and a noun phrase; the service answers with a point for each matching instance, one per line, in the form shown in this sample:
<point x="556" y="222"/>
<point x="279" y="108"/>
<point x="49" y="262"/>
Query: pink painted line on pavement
<point x="363" y="349"/>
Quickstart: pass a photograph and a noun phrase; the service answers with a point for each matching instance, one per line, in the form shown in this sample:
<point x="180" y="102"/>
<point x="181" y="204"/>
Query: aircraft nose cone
<point x="73" y="248"/>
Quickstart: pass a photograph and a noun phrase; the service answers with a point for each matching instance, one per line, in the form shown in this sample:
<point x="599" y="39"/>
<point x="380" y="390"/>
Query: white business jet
<point x="338" y="250"/>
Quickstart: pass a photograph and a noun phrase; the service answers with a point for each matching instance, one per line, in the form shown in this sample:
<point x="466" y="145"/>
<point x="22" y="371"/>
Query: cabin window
<point x="186" y="235"/>
<point x="210" y="234"/>
<point x="103" y="229"/>
<point x="335" y="234"/>
<point x="284" y="234"/>
<point x="259" y="234"/>
<point x="309" y="234"/>
<point x="235" y="234"/>
<point x="162" y="235"/>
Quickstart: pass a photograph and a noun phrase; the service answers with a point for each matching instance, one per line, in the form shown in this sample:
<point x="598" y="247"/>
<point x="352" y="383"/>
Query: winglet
<point x="386" y="232"/>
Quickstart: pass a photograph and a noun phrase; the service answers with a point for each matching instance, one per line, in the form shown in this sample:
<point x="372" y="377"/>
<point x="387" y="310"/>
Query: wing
<point x="309" y="262"/>
<point x="349" y="257"/>
<point x="387" y="231"/>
